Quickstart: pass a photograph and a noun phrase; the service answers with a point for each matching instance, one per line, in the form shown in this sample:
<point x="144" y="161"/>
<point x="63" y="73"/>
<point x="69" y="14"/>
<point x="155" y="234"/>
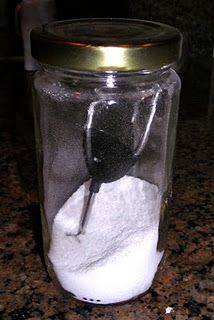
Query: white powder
<point x="116" y="258"/>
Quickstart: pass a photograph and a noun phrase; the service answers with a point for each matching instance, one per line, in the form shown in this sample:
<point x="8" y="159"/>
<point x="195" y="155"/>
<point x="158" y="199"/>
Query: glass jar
<point x="106" y="104"/>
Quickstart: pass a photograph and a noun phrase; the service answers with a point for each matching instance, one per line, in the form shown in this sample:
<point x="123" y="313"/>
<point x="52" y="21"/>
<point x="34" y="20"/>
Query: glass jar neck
<point x="68" y="73"/>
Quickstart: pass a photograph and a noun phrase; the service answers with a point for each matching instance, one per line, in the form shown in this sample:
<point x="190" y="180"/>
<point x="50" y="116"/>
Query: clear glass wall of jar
<point x="105" y="144"/>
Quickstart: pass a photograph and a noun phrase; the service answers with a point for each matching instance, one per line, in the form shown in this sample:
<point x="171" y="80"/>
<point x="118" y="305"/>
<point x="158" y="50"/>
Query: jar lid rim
<point x="106" y="44"/>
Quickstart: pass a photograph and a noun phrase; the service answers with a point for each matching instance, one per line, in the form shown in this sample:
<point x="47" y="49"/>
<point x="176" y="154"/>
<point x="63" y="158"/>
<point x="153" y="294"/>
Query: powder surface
<point x="116" y="258"/>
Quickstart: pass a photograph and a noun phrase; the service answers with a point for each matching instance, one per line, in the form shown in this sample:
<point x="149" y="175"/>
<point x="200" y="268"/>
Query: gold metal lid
<point x="106" y="44"/>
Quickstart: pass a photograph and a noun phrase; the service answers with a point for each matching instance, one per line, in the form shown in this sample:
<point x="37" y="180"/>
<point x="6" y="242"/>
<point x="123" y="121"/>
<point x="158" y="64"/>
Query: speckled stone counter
<point x="184" y="287"/>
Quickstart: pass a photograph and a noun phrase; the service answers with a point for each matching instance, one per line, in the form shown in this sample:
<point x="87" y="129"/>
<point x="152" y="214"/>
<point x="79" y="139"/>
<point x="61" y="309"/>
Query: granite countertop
<point x="184" y="286"/>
